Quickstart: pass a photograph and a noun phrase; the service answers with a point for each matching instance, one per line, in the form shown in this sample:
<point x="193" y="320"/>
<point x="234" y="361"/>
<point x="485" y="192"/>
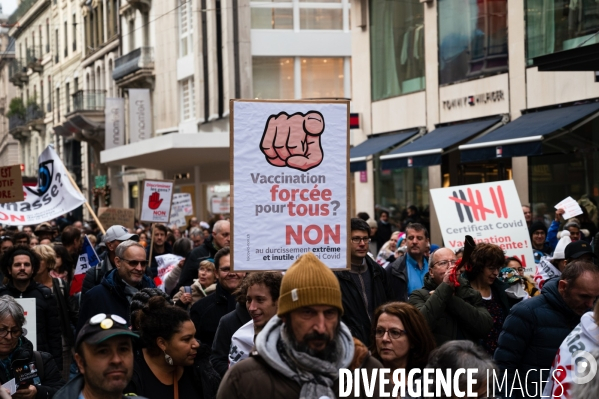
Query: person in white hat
<point x="113" y="237"/>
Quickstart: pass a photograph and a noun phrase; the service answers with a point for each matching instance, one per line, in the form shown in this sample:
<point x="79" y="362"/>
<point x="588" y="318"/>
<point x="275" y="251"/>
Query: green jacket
<point x="450" y="316"/>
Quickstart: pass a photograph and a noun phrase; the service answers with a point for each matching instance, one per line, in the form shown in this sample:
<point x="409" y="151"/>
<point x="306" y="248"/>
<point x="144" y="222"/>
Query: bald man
<point x="451" y="312"/>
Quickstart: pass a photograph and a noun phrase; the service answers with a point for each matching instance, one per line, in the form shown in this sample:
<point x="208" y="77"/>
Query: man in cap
<point x="301" y="349"/>
<point x="113" y="237"/>
<point x="538" y="238"/>
<point x="104" y="356"/>
<point x="579" y="250"/>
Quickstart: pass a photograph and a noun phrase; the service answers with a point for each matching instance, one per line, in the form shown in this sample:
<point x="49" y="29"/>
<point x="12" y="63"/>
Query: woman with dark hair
<point x="401" y="338"/>
<point x="140" y="300"/>
<point x="482" y="270"/>
<point x="64" y="264"/>
<point x="171" y="364"/>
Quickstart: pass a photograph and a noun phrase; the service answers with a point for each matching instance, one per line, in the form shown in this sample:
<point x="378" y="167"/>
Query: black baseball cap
<point x="576" y="249"/>
<point x="102" y="327"/>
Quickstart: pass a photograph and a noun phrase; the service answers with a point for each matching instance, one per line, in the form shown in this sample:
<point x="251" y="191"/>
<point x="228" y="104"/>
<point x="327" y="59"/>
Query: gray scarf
<point x="314" y="375"/>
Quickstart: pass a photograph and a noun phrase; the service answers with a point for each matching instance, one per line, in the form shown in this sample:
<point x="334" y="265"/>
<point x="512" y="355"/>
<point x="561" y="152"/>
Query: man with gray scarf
<point x="299" y="352"/>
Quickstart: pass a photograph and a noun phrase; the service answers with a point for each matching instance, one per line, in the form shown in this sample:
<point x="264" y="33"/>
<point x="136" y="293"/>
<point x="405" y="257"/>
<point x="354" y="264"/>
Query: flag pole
<point x="151" y="243"/>
<point x="89" y="208"/>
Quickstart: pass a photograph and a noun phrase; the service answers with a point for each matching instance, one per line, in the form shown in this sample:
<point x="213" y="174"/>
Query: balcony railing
<point x="89" y="100"/>
<point x="34" y="58"/>
<point x="140" y="58"/>
<point x="17" y="73"/>
<point x="2" y="104"/>
<point x="34" y="113"/>
<point x="15" y="122"/>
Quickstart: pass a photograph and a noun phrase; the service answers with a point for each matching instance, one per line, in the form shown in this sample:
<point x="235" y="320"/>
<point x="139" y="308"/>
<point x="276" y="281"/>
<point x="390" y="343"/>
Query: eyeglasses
<point x="134" y="263"/>
<point x="393" y="333"/>
<point x="16" y="333"/>
<point x="445" y="263"/>
<point x="494" y="268"/>
<point x="357" y="240"/>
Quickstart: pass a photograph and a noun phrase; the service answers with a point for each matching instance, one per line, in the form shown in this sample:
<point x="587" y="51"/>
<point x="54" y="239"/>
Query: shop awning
<point x="585" y="58"/>
<point x="428" y="149"/>
<point x="524" y="136"/>
<point x="359" y="154"/>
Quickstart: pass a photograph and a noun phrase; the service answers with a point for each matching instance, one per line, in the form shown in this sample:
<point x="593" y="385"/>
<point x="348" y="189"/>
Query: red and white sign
<point x="290" y="177"/>
<point x="156" y="201"/>
<point x="489" y="212"/>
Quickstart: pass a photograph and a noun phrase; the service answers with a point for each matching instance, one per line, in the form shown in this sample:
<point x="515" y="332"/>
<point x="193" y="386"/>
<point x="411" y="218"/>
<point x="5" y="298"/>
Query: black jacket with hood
<point x="227" y="326"/>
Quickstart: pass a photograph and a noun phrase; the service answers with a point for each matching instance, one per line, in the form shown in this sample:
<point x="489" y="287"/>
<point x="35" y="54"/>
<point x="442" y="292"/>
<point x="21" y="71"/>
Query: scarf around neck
<point x="314" y="375"/>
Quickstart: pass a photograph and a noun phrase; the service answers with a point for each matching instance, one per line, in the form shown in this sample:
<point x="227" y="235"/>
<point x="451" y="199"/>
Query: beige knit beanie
<point x="309" y="282"/>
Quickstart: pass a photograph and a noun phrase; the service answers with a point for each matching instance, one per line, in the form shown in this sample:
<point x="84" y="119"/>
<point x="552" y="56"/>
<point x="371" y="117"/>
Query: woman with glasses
<point x="171" y="364"/>
<point x="526" y="281"/>
<point x="17" y="351"/>
<point x="482" y="270"/>
<point x="401" y="338"/>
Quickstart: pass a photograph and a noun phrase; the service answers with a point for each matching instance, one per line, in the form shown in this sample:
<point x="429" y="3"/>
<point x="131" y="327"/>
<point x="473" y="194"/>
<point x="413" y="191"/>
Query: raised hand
<point x="154" y="201"/>
<point x="293" y="141"/>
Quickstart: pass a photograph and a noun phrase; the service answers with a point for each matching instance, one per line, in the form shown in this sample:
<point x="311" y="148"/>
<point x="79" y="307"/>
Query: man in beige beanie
<point x="300" y="351"/>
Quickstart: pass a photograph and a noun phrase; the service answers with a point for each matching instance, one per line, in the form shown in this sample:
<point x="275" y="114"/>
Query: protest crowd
<point x="203" y="330"/>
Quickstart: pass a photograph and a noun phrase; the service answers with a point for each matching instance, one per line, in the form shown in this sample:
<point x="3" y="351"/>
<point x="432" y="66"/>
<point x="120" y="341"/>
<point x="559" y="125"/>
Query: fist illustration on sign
<point x="293" y="141"/>
<point x="154" y="201"/>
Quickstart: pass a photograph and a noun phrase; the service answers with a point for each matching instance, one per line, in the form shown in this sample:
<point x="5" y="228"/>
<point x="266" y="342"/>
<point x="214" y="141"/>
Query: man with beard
<point x="406" y="274"/>
<point x="535" y="328"/>
<point x="104" y="356"/>
<point x="19" y="265"/>
<point x="207" y="312"/>
<point x="161" y="247"/>
<point x="301" y="349"/>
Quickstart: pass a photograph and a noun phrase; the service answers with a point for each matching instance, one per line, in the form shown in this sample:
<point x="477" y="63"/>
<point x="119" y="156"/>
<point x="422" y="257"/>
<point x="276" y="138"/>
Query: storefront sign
<point x="290" y="177"/>
<point x="473" y="100"/>
<point x="489" y="212"/>
<point x="52" y="197"/>
<point x="11" y="184"/>
<point x="140" y="115"/>
<point x="156" y="201"/>
<point x="363" y="176"/>
<point x="30" y="312"/>
<point x="115" y="122"/>
<point x="100" y="181"/>
<point x="121" y="216"/>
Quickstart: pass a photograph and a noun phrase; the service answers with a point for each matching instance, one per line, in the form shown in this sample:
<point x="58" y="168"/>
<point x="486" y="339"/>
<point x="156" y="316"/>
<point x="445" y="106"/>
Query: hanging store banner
<point x="290" y="174"/>
<point x="52" y="197"/>
<point x="115" y="122"/>
<point x="140" y="115"/>
<point x="489" y="212"/>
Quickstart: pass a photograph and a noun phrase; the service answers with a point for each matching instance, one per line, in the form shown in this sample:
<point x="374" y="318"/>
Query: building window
<point x="47" y="35"/>
<point x="396" y="48"/>
<point x="472" y="39"/>
<point x="553" y="25"/>
<point x="74" y="32"/>
<point x="299" y="15"/>
<point x="57" y="39"/>
<point x="185" y="28"/>
<point x="187" y="99"/>
<point x="49" y="106"/>
<point x="67" y="96"/>
<point x="131" y="35"/>
<point x="300" y="77"/>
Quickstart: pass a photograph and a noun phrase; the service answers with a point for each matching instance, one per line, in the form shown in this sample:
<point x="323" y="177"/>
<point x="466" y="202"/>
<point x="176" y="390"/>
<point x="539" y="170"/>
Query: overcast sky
<point x="8" y="6"/>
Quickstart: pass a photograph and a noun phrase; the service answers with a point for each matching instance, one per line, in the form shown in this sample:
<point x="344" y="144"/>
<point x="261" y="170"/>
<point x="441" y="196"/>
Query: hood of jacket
<point x="72" y="389"/>
<point x="590" y="329"/>
<point x="554" y="298"/>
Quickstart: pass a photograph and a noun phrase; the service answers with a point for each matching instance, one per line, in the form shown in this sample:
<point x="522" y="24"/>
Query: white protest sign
<point x="182" y="203"/>
<point x="166" y="263"/>
<point x="177" y="219"/>
<point x="52" y="197"/>
<point x="156" y="201"/>
<point x="220" y="204"/>
<point x="290" y="177"/>
<point x="30" y="312"/>
<point x="489" y="212"/>
<point x="570" y="207"/>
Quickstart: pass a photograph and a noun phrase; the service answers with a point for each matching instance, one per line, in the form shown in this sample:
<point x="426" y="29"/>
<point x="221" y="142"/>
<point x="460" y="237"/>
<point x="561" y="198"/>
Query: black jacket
<point x="50" y="376"/>
<point x="74" y="387"/>
<point x="398" y="279"/>
<point x="108" y="297"/>
<point x="229" y="324"/>
<point x="532" y="334"/>
<point x="47" y="319"/>
<point x="355" y="314"/>
<point x="192" y="262"/>
<point x="68" y="315"/>
<point x="94" y="275"/>
<point x="383" y="234"/>
<point x="207" y="312"/>
<point x="452" y="313"/>
<point x="206" y="379"/>
<point x="153" y="267"/>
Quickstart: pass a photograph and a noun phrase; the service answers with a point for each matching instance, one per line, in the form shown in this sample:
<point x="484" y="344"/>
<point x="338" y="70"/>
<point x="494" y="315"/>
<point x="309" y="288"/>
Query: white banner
<point x="140" y="115"/>
<point x="52" y="197"/>
<point x="166" y="263"/>
<point x="290" y="174"/>
<point x="156" y="201"/>
<point x="115" y="122"/>
<point x="489" y="212"/>
<point x="30" y="327"/>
